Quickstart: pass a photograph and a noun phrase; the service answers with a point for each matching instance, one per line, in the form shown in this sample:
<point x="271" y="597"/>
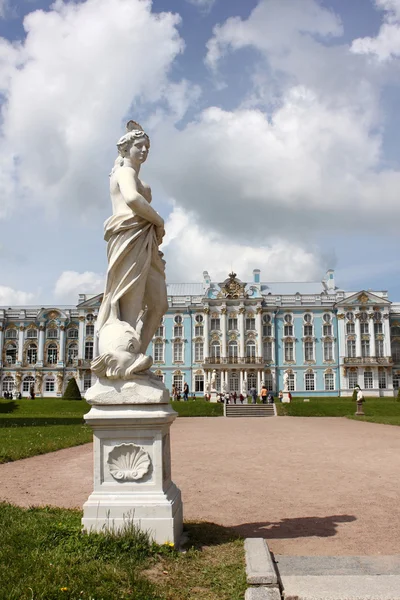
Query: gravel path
<point x="310" y="486"/>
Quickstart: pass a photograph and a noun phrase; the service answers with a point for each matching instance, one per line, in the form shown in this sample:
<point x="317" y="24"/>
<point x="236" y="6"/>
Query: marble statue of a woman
<point x="135" y="297"/>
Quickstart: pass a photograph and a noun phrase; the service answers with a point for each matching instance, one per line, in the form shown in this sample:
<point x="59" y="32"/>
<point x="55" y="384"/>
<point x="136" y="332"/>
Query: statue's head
<point x="135" y="144"/>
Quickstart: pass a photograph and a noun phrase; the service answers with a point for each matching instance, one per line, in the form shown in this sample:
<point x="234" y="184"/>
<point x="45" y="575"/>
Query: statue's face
<point x="139" y="150"/>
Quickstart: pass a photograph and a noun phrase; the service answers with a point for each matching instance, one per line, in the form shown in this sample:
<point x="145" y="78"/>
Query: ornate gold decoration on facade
<point x="81" y="318"/>
<point x="53" y="314"/>
<point x="242" y="310"/>
<point x="21" y="328"/>
<point x="207" y="310"/>
<point x="232" y="336"/>
<point x="224" y="310"/>
<point x="340" y="316"/>
<point x="215" y="315"/>
<point x="41" y="327"/>
<point x="259" y="309"/>
<point x="386" y="316"/>
<point x="62" y="327"/>
<point x="363" y="298"/>
<point x="232" y="288"/>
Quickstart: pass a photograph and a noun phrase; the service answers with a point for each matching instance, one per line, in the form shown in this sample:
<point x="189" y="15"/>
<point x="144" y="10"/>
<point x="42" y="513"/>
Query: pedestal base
<point x="132" y="471"/>
<point x="286" y="397"/>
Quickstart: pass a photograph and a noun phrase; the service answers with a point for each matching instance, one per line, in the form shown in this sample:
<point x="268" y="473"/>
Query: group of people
<point x="176" y="394"/>
<point x="266" y="396"/>
<point x="18" y="396"/>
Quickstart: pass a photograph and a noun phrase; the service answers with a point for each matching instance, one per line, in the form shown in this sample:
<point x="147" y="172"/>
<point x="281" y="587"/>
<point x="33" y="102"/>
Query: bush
<point x="72" y="391"/>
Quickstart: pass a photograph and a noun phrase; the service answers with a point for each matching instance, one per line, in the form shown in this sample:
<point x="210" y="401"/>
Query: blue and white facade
<point x="325" y="339"/>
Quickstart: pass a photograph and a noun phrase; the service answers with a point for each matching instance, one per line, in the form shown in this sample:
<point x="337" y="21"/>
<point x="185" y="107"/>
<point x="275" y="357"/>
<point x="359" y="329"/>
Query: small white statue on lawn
<point x="286" y="382"/>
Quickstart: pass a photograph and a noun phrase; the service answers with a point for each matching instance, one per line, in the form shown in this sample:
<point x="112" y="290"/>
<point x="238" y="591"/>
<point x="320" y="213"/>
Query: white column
<point x="386" y="342"/>
<point x="342" y="338"/>
<point x="241" y="331"/>
<point x="259" y="331"/>
<point x="258" y="382"/>
<point x="223" y="330"/>
<point x="358" y="338"/>
<point x="372" y="348"/>
<point x="1" y="344"/>
<point x="62" y="344"/>
<point x="41" y="345"/>
<point x="206" y="329"/>
<point x="241" y="381"/>
<point x="81" y="341"/>
<point x="20" y="344"/>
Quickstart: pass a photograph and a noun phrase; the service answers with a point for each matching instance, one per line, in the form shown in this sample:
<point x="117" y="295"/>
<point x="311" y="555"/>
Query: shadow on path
<point x="295" y="528"/>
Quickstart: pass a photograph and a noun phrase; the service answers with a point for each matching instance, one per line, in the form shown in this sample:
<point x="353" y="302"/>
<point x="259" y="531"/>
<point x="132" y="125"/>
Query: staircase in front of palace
<point x="249" y="410"/>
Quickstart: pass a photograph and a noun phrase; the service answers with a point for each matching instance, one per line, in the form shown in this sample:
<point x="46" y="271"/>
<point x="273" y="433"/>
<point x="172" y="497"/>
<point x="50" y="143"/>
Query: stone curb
<point x="262" y="593"/>
<point x="259" y="566"/>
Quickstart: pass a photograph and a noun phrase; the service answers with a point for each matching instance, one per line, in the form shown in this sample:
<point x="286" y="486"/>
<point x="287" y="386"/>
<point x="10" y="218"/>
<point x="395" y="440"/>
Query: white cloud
<point x="71" y="283"/>
<point x="11" y="297"/>
<point x="189" y="249"/>
<point x="203" y="5"/>
<point x="386" y="45"/>
<point x="81" y="70"/>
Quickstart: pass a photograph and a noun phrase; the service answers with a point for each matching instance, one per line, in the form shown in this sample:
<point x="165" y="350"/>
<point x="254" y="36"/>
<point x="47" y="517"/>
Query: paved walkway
<point x="310" y="486"/>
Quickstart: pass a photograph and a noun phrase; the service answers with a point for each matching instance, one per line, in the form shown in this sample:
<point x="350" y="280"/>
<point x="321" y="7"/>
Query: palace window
<point x="288" y="330"/>
<point x="11" y="354"/>
<point x="89" y="330"/>
<point x="353" y="379"/>
<point x="350" y="316"/>
<point x="328" y="351"/>
<point x="268" y="381"/>
<point x="289" y="351"/>
<point x="233" y="350"/>
<point x="363" y="316"/>
<point x="52" y="334"/>
<point x="178" y="352"/>
<point x="178" y="327"/>
<point x="382" y="380"/>
<point x="308" y="330"/>
<point x="49" y="384"/>
<point x="365" y="348"/>
<point x="267" y="327"/>
<point x="199" y="328"/>
<point x="288" y="318"/>
<point x="52" y="355"/>
<point x="267" y="351"/>
<point x="232" y="324"/>
<point x="199" y="383"/>
<point x="11" y="334"/>
<point x="215" y="349"/>
<point x="158" y="351"/>
<point x="395" y="330"/>
<point x="378" y="328"/>
<point x="177" y="381"/>
<point x="87" y="381"/>
<point x="327" y="318"/>
<point x="327" y="330"/>
<point x="350" y="328"/>
<point x="396" y="381"/>
<point x="234" y="381"/>
<point x="73" y="334"/>
<point x="379" y="348"/>
<point x="27" y="383"/>
<point x="251" y="349"/>
<point x="90" y="318"/>
<point x="368" y="380"/>
<point x="31" y="354"/>
<point x="308" y="351"/>
<point x="364" y="327"/>
<point x="351" y="348"/>
<point x="198" y="351"/>
<point x="290" y="382"/>
<point x="215" y="324"/>
<point x="329" y="380"/>
<point x="160" y="331"/>
<point x="251" y="380"/>
<point x="396" y="352"/>
<point x="310" y="382"/>
<point x="31" y="333"/>
<point x="377" y="316"/>
<point x="8" y="384"/>
<point x="72" y="353"/>
<point x="89" y="350"/>
<point x="250" y="324"/>
<point x="307" y="318"/>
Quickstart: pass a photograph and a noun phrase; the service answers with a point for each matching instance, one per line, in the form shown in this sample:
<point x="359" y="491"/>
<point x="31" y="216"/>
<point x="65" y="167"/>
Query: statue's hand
<point x="160" y="232"/>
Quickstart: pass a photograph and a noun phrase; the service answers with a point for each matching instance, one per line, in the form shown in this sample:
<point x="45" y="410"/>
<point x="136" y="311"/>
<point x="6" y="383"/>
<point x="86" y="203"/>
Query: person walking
<point x="264" y="394"/>
<point x="253" y="394"/>
<point x="186" y="392"/>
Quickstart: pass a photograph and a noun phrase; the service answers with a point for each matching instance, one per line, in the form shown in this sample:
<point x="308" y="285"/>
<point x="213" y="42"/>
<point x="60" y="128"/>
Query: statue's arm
<point x="135" y="200"/>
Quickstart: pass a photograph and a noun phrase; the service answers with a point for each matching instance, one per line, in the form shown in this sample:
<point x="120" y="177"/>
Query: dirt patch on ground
<point x="310" y="486"/>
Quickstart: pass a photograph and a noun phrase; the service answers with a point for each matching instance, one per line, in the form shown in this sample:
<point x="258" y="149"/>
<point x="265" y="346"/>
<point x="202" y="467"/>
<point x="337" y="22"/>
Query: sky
<point x="274" y="128"/>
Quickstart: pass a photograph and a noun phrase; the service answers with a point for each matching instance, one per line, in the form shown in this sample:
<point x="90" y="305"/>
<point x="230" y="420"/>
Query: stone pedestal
<point x="360" y="411"/>
<point x="132" y="464"/>
<point x="286" y="397"/>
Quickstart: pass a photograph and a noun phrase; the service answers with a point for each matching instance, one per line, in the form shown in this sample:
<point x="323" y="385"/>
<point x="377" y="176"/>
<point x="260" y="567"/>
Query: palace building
<point x="325" y="339"/>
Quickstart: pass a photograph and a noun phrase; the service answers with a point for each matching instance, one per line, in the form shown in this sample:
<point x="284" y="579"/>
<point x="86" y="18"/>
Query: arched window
<point x="11" y="354"/>
<point x="90" y="318"/>
<point x="353" y="379"/>
<point x="49" y="384"/>
<point x="396" y="352"/>
<point x="288" y="351"/>
<point x="382" y="379"/>
<point x="368" y="380"/>
<point x="233" y="381"/>
<point x="350" y="316"/>
<point x="329" y="380"/>
<point x="52" y="333"/>
<point x="267" y="351"/>
<point x="11" y="334"/>
<point x="89" y="329"/>
<point x="251" y="380"/>
<point x="199" y="329"/>
<point x="178" y="327"/>
<point x="158" y="351"/>
<point x="177" y="381"/>
<point x="198" y="351"/>
<point x="328" y="350"/>
<point x="88" y="350"/>
<point x="27" y="383"/>
<point x="31" y="354"/>
<point x="288" y="328"/>
<point x="160" y="330"/>
<point x="351" y="348"/>
<point x="8" y="384"/>
<point x="73" y="333"/>
<point x="267" y="327"/>
<point x="52" y="355"/>
<point x="327" y="318"/>
<point x="290" y="382"/>
<point x="178" y="352"/>
<point x="310" y="382"/>
<point x="307" y="318"/>
<point x="251" y="349"/>
<point x="350" y="328"/>
<point x="233" y="350"/>
<point x="215" y="349"/>
<point x="32" y="333"/>
<point x="199" y="383"/>
<point x="72" y="353"/>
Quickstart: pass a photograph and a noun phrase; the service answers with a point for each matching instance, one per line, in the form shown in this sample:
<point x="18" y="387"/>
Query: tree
<point x="72" y="391"/>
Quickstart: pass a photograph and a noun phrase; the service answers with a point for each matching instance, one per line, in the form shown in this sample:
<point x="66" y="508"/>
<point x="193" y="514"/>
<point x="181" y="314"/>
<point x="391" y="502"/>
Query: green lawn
<point x="377" y="410"/>
<point x="44" y="556"/>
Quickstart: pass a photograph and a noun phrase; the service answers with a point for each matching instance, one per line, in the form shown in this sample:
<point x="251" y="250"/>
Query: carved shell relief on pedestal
<point x="128" y="462"/>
